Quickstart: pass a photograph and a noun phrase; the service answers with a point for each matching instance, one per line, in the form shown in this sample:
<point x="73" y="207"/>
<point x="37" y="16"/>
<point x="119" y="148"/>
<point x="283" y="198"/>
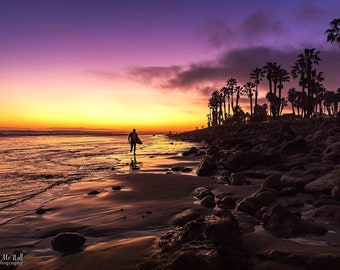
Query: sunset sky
<point x="151" y="64"/>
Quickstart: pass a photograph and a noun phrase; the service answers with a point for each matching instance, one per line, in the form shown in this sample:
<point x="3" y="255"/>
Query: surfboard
<point x="139" y="141"/>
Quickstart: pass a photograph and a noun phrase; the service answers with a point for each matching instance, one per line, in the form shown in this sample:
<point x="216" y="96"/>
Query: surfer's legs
<point x="133" y="147"/>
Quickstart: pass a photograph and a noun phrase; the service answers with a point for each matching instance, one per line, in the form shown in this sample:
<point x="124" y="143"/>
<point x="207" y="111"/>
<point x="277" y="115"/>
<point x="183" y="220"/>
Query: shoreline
<point x="256" y="212"/>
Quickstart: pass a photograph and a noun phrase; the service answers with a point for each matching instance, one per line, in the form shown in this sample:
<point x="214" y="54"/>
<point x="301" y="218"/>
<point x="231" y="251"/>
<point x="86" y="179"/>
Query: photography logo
<point x="14" y="259"/>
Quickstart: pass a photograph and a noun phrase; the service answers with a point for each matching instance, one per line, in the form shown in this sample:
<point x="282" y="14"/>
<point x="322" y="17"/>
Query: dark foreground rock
<point x="207" y="243"/>
<point x="68" y="242"/>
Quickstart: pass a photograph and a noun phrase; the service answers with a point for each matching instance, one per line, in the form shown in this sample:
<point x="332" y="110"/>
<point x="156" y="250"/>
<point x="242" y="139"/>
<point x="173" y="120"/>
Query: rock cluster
<point x="296" y="167"/>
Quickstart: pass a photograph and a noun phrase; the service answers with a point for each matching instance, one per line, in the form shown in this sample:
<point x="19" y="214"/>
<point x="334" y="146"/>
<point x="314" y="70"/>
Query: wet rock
<point x="237" y="179"/>
<point x="206" y="167"/>
<point x="191" y="151"/>
<point x="332" y="152"/>
<point x="177" y="169"/>
<point x="283" y="223"/>
<point x="184" y="217"/>
<point x="226" y="202"/>
<point x="68" y="242"/>
<point x="186" y="170"/>
<point x="312" y="262"/>
<point x="325" y="201"/>
<point x="264" y="198"/>
<point x="247" y="207"/>
<point x="272" y="181"/>
<point x="116" y="188"/>
<point x="191" y="260"/>
<point x="297" y="180"/>
<point x="293" y="147"/>
<point x="202" y="192"/>
<point x="328" y="211"/>
<point x="93" y="192"/>
<point x="208" y="201"/>
<point x="41" y="211"/>
<point x="324" y="183"/>
<point x="287" y="192"/>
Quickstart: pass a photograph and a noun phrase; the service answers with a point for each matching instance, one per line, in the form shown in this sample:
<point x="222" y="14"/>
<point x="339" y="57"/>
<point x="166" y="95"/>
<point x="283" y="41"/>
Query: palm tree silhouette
<point x="249" y="89"/>
<point x="333" y="33"/>
<point x="257" y="75"/>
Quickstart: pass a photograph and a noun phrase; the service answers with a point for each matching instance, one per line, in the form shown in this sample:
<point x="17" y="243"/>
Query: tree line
<point x="311" y="98"/>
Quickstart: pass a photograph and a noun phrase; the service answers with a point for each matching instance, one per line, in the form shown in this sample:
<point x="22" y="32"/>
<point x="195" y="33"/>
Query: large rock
<point x="328" y="211"/>
<point x="335" y="193"/>
<point x="237" y="179"/>
<point x="208" y="201"/>
<point x="218" y="237"/>
<point x="272" y="181"/>
<point x="293" y="147"/>
<point x="297" y="180"/>
<point x="184" y="217"/>
<point x="202" y="192"/>
<point x="324" y="183"/>
<point x="207" y="167"/>
<point x="68" y="242"/>
<point x="283" y="223"/>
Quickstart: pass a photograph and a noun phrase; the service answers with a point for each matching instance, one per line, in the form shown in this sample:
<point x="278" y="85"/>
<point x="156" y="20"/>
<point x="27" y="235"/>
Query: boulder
<point x="247" y="207"/>
<point x="328" y="211"/>
<point x="226" y="202"/>
<point x="206" y="167"/>
<point x="202" y="192"/>
<point x="297" y="180"/>
<point x="68" y="242"/>
<point x="208" y="201"/>
<point x="325" y="183"/>
<point x="184" y="217"/>
<point x="237" y="179"/>
<point x="272" y="181"/>
<point x="282" y="223"/>
<point x="293" y="147"/>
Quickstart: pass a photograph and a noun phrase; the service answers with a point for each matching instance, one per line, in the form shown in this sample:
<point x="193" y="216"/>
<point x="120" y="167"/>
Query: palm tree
<point x="257" y="75"/>
<point x="238" y="90"/>
<point x="249" y="89"/>
<point x="283" y="76"/>
<point x="224" y="91"/>
<point x="269" y="70"/>
<point x="292" y="98"/>
<point x="303" y="69"/>
<point x="333" y="33"/>
<point x="231" y="84"/>
<point x="213" y="104"/>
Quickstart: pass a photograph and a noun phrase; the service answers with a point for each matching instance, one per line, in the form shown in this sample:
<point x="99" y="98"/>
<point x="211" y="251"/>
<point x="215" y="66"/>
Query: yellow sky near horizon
<point x="82" y="101"/>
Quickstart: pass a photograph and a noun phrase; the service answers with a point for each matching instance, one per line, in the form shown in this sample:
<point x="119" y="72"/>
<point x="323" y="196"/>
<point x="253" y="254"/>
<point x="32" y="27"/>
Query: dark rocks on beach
<point x="328" y="211"/>
<point x="237" y="179"/>
<point x="312" y="262"/>
<point x="226" y="202"/>
<point x="177" y="169"/>
<point x="283" y="223"/>
<point x="297" y="180"/>
<point x="207" y="167"/>
<point x="202" y="192"/>
<point x="93" y="192"/>
<point x="295" y="146"/>
<point x="208" y="201"/>
<point x="68" y="242"/>
<point x="191" y="151"/>
<point x="208" y="243"/>
<point x="41" y="211"/>
<point x="184" y="217"/>
<point x="186" y="170"/>
<point x="325" y="183"/>
<point x="272" y="181"/>
<point x="116" y="188"/>
<point x="247" y="207"/>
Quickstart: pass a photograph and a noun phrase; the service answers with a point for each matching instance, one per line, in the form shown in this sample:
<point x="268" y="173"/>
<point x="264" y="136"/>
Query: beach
<point x="256" y="213"/>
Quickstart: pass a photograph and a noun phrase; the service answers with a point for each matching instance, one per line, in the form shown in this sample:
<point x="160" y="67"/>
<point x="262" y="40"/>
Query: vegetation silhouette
<point x="312" y="99"/>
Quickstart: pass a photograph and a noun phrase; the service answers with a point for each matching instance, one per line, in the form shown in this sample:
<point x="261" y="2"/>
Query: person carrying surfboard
<point x="133" y="140"/>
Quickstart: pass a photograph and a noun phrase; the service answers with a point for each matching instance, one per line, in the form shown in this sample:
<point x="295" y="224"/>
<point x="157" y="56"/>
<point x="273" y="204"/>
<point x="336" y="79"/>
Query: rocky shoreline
<point x="277" y="204"/>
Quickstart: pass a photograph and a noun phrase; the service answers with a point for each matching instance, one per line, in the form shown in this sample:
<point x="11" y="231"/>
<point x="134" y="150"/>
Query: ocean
<point x="37" y="169"/>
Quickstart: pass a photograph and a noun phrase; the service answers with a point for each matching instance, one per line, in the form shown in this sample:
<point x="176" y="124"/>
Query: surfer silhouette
<point x="133" y="140"/>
